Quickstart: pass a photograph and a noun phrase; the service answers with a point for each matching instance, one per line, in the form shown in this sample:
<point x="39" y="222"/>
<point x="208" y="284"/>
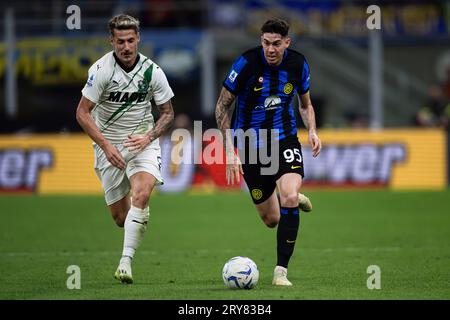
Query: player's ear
<point x="111" y="37"/>
<point x="138" y="38"/>
<point x="287" y="41"/>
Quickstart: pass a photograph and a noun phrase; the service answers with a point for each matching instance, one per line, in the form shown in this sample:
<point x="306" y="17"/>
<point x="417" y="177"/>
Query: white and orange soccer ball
<point x="240" y="273"/>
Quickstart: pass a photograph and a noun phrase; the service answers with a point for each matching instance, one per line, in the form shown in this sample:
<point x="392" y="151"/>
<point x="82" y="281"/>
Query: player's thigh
<point x="290" y="157"/>
<point x="291" y="171"/>
<point x="114" y="181"/>
<point x="261" y="187"/>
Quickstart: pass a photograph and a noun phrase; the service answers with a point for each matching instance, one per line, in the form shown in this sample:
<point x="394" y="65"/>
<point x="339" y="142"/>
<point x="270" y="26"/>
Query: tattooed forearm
<point x="223" y="109"/>
<point x="224" y="112"/>
<point x="164" y="122"/>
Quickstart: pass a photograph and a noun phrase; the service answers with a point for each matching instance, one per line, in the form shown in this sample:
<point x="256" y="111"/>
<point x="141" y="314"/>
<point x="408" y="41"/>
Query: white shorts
<point x="116" y="182"/>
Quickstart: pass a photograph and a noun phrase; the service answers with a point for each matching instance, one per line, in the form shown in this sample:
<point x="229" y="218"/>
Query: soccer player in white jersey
<point x="115" y="111"/>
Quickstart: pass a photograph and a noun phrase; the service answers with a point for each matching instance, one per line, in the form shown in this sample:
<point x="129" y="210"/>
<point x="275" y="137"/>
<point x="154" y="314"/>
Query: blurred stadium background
<point x="382" y="101"/>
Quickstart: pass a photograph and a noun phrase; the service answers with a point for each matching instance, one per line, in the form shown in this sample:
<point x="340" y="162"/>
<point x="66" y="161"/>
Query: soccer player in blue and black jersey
<point x="264" y="81"/>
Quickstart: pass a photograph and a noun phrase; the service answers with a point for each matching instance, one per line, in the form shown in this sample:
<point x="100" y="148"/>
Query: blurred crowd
<point x="436" y="112"/>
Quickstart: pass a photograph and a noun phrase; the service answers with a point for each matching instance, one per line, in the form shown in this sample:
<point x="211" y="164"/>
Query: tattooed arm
<point x="224" y="111"/>
<point x="309" y="119"/>
<point x="165" y="121"/>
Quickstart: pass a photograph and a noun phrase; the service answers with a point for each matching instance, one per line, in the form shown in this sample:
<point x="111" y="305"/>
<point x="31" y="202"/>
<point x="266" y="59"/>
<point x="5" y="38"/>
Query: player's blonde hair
<point x="123" y="22"/>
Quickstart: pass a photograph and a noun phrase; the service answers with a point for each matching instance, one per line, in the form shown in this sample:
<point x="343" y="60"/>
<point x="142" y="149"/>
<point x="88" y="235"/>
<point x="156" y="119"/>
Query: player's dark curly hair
<point x="123" y="22"/>
<point x="275" y="25"/>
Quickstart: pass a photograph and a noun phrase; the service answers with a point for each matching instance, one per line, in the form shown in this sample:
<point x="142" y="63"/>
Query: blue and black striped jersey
<point x="265" y="93"/>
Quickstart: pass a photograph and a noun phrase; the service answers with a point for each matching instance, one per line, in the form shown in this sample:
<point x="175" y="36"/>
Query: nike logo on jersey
<point x="143" y="223"/>
<point x="257" y="89"/>
<point x="295" y="167"/>
<point x="290" y="241"/>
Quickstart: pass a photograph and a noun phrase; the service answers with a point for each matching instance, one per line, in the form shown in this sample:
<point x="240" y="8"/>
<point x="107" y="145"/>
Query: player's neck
<point x="129" y="67"/>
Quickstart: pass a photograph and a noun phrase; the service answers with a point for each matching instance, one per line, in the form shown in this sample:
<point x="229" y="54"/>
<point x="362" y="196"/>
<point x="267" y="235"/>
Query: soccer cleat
<point x="280" y="277"/>
<point x="123" y="273"/>
<point x="304" y="204"/>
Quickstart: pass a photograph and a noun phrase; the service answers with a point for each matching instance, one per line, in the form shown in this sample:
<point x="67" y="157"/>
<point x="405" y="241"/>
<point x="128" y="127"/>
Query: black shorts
<point x="261" y="184"/>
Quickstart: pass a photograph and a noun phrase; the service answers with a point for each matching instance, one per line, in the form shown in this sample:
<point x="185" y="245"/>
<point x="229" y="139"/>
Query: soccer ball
<point x="240" y="273"/>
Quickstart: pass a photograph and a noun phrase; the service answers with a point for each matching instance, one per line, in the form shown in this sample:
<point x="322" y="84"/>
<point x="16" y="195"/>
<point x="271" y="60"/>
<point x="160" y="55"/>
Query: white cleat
<point x="280" y="277"/>
<point x="123" y="273"/>
<point x="304" y="204"/>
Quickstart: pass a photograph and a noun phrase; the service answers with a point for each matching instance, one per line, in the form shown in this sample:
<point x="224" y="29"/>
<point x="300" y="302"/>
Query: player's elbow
<point x="170" y="119"/>
<point x="79" y="116"/>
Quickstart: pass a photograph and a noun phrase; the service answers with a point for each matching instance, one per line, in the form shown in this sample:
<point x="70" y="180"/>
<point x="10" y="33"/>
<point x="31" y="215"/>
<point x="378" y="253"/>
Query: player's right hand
<point x="114" y="156"/>
<point x="233" y="169"/>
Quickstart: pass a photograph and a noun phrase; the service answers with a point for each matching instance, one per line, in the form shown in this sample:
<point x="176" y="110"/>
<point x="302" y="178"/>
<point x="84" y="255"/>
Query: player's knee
<point x="289" y="199"/>
<point x="140" y="198"/>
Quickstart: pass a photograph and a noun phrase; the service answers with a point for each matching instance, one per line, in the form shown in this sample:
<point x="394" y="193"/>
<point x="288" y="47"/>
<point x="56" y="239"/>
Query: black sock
<point x="287" y="234"/>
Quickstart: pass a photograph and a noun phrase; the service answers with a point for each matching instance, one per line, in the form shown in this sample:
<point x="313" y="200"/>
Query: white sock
<point x="135" y="226"/>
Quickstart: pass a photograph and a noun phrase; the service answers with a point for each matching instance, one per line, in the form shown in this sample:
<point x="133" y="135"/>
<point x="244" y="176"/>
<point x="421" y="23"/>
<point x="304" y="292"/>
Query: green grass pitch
<point x="190" y="237"/>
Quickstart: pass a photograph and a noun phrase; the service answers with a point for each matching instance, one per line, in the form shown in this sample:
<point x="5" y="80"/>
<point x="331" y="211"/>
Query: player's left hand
<point x="137" y="142"/>
<point x="315" y="142"/>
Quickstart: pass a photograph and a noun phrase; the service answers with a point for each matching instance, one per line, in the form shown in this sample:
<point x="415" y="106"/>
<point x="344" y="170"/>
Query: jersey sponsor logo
<point x="288" y="88"/>
<point x="20" y="169"/>
<point x="271" y="102"/>
<point x="127" y="97"/>
<point x="127" y="100"/>
<point x="233" y="75"/>
<point x="257" y="194"/>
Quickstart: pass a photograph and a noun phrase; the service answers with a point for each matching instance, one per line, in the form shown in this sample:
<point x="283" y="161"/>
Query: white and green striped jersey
<point x="123" y="99"/>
